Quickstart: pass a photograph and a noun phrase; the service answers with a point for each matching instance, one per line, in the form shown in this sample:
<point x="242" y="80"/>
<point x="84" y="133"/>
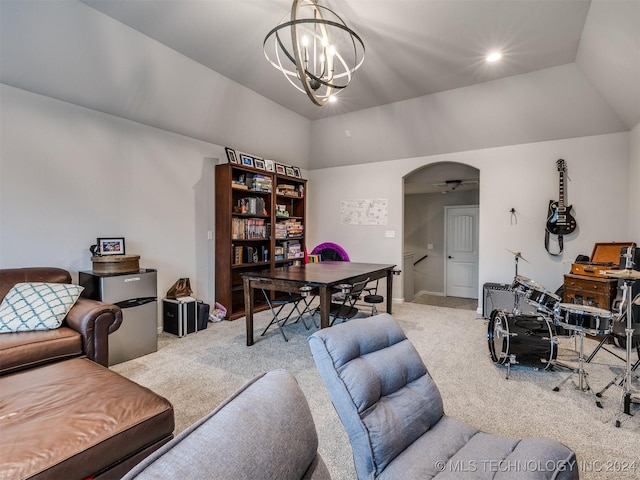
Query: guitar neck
<point x="561" y="206"/>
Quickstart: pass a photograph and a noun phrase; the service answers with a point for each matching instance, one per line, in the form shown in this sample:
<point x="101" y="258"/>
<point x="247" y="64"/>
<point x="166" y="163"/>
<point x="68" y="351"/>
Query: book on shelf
<point x="252" y="206"/>
<point x="294" y="250"/>
<point x="289" y="229"/>
<point x="250" y="228"/>
<point x="260" y="183"/>
<point x="249" y="254"/>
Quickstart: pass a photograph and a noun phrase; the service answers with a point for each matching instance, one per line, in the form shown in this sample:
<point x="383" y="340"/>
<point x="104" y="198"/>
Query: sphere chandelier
<point x="319" y="54"/>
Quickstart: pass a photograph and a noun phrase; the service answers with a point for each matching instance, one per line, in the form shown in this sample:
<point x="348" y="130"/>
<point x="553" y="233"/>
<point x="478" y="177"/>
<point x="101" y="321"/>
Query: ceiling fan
<point x="451" y="185"/>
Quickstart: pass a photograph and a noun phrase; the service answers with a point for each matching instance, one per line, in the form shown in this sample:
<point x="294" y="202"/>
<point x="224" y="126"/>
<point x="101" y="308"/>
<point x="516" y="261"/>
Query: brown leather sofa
<point x="85" y="331"/>
<point x="63" y="414"/>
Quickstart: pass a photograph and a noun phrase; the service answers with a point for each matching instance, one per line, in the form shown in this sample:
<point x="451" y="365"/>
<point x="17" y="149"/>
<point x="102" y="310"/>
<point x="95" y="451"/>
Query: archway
<point x="427" y="192"/>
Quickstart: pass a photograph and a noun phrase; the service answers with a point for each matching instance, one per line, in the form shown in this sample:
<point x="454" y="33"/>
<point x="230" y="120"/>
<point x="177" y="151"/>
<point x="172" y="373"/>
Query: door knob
<point x="449" y="256"/>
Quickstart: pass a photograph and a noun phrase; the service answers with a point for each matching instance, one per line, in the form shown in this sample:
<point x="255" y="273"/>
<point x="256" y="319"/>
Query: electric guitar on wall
<point x="559" y="219"/>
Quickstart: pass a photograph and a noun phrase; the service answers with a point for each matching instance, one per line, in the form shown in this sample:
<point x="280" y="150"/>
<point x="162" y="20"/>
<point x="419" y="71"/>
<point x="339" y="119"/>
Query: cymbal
<point x="626" y="274"/>
<point x="517" y="254"/>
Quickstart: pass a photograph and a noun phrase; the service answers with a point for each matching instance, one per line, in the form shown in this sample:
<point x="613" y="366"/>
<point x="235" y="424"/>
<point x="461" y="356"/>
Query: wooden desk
<point x="324" y="276"/>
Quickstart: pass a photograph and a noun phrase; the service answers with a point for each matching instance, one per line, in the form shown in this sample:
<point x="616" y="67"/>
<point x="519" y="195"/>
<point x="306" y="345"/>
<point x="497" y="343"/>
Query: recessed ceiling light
<point x="494" y="57"/>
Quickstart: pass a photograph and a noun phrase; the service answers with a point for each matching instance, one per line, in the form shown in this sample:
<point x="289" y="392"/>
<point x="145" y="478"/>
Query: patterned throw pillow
<point x="37" y="306"/>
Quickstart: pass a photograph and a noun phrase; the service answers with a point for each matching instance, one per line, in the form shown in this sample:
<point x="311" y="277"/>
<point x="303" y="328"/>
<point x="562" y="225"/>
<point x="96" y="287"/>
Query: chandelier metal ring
<point x="321" y="67"/>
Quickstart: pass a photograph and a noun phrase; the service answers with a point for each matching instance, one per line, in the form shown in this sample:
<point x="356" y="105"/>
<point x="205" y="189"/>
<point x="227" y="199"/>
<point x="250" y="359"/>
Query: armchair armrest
<point x="94" y="320"/>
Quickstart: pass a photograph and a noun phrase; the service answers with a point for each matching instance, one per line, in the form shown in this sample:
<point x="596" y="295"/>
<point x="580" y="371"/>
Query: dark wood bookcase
<point x="260" y="225"/>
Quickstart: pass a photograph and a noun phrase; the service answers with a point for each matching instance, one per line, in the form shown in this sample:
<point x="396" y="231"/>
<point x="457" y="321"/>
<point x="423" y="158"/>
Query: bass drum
<point x="522" y="340"/>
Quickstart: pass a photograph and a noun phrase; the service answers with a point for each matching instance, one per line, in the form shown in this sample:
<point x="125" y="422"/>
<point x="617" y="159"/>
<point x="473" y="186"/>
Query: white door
<point x="462" y="251"/>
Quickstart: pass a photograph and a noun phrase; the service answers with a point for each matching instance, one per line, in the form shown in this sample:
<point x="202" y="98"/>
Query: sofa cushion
<point x="74" y="418"/>
<point x="27" y="349"/>
<point x="264" y="430"/>
<point x="37" y="306"/>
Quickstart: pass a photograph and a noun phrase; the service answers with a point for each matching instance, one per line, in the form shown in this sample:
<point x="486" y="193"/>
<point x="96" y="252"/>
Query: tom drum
<point x="535" y="294"/>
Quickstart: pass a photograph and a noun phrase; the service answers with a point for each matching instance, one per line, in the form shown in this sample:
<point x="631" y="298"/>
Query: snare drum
<point x="583" y="317"/>
<point x="521" y="339"/>
<point x="535" y="294"/>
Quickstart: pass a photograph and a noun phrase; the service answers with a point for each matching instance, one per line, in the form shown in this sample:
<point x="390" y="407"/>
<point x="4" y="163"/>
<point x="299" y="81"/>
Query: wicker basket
<point x="116" y="264"/>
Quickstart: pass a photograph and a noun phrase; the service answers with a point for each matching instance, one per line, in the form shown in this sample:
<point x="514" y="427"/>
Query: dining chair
<point x="343" y="303"/>
<point x="281" y="317"/>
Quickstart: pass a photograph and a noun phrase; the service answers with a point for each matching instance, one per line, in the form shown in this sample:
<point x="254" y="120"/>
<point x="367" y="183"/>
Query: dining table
<point x="323" y="277"/>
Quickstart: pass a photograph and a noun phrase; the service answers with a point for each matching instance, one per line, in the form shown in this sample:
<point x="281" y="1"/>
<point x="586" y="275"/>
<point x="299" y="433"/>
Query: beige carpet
<point x="198" y="372"/>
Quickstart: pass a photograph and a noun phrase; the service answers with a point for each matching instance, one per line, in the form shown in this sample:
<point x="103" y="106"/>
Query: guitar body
<point x="559" y="219"/>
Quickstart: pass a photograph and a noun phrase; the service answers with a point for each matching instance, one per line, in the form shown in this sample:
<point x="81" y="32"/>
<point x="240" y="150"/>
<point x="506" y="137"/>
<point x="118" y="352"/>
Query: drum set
<point x="531" y="339"/>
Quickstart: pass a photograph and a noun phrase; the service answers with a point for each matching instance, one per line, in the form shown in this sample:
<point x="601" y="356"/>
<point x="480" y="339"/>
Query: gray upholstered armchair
<point x="394" y="417"/>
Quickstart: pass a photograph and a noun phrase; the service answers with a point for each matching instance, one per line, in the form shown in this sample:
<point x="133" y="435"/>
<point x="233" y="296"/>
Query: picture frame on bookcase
<point x="231" y="155"/>
<point x="280" y="169"/>
<point x="258" y="163"/>
<point x="296" y="172"/>
<point x="269" y="166"/>
<point x="246" y="160"/>
<point x="289" y="171"/>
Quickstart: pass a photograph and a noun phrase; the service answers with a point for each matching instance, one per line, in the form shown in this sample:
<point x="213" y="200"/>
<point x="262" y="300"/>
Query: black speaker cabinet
<point x="498" y="296"/>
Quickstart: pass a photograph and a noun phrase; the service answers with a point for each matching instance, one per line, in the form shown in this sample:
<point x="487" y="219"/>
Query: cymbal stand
<point x="517" y="292"/>
<point x="625" y="400"/>
<point x="583" y="384"/>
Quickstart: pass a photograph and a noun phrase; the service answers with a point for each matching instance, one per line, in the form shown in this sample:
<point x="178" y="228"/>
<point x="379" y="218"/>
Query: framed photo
<point x="231" y="155"/>
<point x="269" y="166"/>
<point x="111" y="246"/>
<point x="258" y="163"/>
<point x="296" y="172"/>
<point x="280" y="169"/>
<point x="246" y="160"/>
<point x="289" y="171"/>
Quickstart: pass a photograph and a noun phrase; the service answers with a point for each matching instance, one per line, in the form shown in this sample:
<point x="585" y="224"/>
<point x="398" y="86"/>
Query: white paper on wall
<point x="364" y="211"/>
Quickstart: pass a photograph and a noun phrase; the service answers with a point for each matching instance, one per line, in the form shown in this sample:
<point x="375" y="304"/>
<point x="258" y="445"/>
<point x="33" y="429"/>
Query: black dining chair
<point x="343" y="303"/>
<point x="279" y="316"/>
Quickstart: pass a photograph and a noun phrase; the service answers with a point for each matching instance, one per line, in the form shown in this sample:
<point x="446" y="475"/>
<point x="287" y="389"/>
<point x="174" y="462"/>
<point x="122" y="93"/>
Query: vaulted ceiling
<point x="413" y="48"/>
<point x="431" y="51"/>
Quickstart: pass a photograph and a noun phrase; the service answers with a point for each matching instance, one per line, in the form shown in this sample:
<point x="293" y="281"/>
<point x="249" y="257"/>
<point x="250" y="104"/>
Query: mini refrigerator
<point x="136" y="294"/>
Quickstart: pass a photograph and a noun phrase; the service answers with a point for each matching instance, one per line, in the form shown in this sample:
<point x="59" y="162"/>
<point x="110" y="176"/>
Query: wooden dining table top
<point x="322" y="273"/>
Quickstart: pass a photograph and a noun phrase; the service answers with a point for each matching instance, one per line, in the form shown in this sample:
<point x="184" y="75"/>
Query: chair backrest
<point x="379" y="386"/>
<point x="356" y="290"/>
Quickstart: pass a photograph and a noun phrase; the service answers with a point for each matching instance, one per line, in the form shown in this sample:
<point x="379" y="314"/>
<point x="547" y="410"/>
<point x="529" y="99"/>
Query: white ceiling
<point x="414" y="47"/>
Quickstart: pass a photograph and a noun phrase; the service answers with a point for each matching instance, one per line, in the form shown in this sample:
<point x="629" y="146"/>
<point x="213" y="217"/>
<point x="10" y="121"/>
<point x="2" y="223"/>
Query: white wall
<point x="523" y="177"/>
<point x="634" y="184"/>
<point x="70" y="175"/>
